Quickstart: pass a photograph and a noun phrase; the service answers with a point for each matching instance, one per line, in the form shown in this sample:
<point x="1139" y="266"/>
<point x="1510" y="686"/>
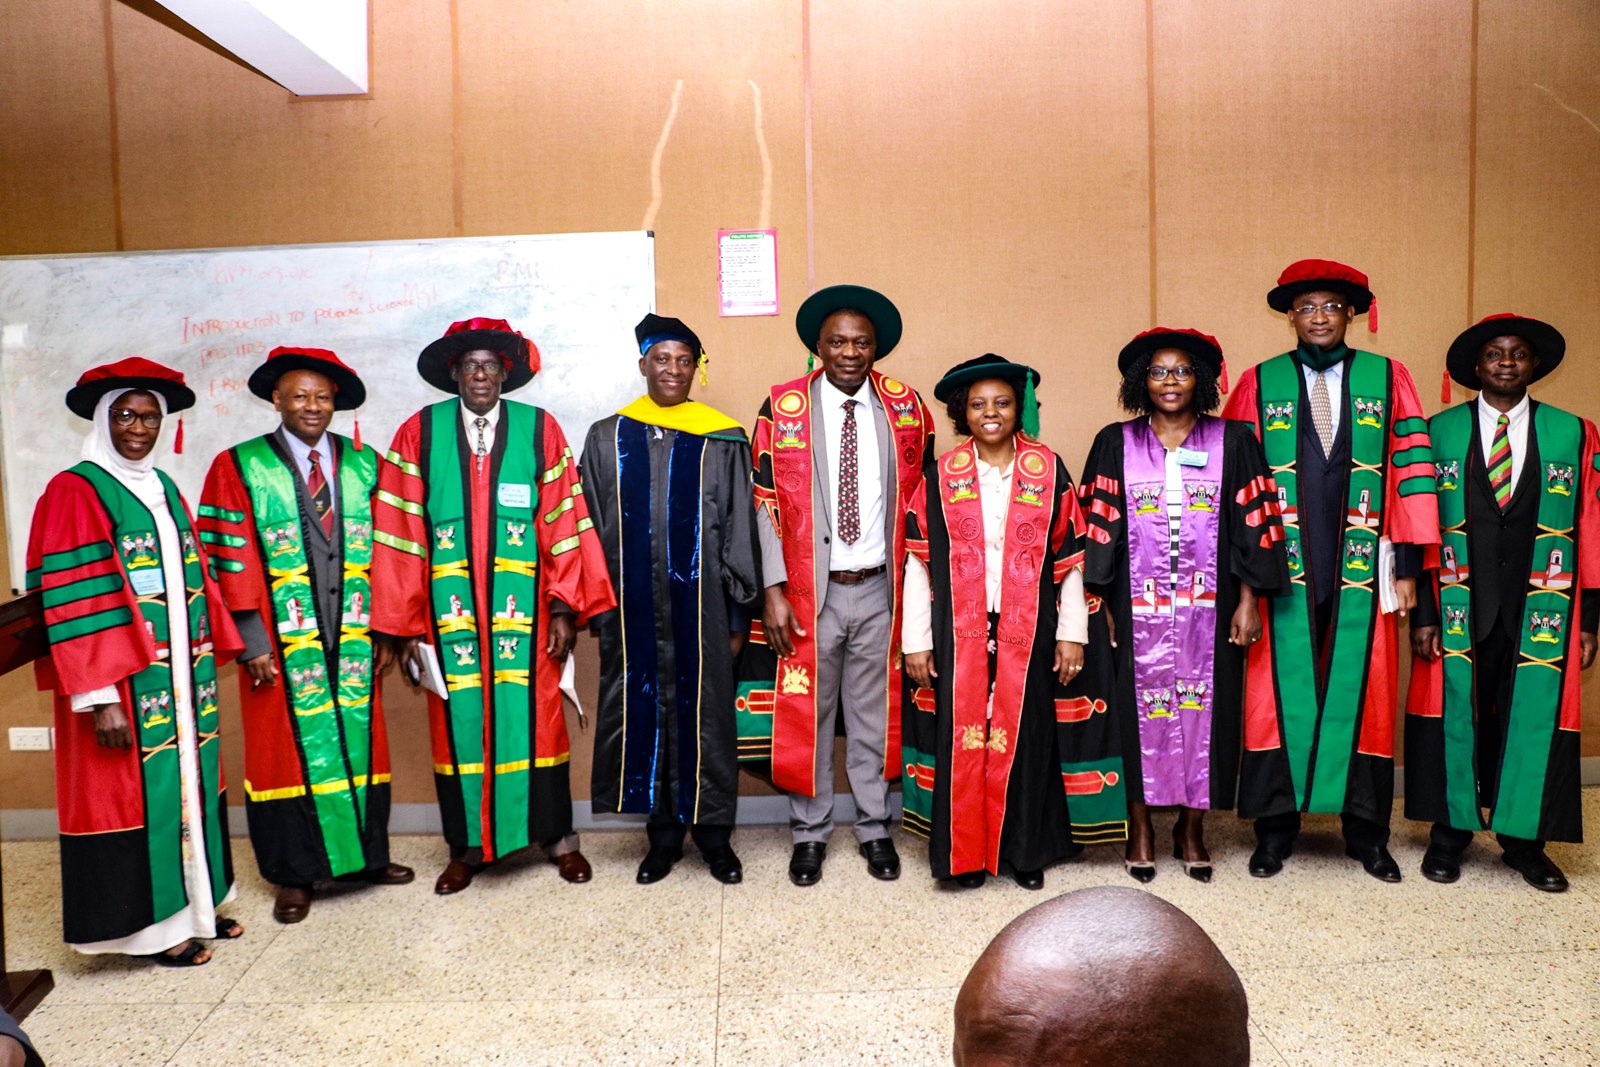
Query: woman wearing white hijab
<point x="145" y="858"/>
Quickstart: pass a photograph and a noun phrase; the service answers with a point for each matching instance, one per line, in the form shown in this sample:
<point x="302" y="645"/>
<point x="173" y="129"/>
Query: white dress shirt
<point x="994" y="493"/>
<point x="870" y="549"/>
<point x="1516" y="433"/>
<point x="1334" y="376"/>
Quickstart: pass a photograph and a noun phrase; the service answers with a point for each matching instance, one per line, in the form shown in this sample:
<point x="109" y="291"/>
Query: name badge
<point x="1189" y="458"/>
<point x="147" y="583"/>
<point x="516" y="495"/>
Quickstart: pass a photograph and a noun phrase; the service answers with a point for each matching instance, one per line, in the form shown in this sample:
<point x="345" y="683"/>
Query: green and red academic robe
<point x="778" y="697"/>
<point x="96" y="556"/>
<point x="472" y="555"/>
<point x="669" y="492"/>
<point x="1019" y="777"/>
<point x="1547" y="577"/>
<point x="1319" y="724"/>
<point x="316" y="753"/>
<point x="1180" y="682"/>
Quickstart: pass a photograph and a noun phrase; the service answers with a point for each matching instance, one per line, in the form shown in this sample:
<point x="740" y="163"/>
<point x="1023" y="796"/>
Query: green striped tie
<point x="1500" y="463"/>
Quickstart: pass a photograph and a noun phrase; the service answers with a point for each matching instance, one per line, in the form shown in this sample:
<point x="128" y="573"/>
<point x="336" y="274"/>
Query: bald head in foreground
<point x="1104" y="976"/>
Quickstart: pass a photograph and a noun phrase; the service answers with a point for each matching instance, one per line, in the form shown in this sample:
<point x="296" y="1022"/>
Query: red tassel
<point x="1222" y="379"/>
<point x="358" y="435"/>
<point x="177" y="443"/>
<point x="1444" y="390"/>
<point x="1372" y="316"/>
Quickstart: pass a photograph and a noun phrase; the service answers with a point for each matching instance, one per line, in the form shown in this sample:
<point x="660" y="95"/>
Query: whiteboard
<point x="215" y="313"/>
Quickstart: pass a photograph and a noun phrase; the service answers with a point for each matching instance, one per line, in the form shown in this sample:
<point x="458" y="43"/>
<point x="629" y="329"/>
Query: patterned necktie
<point x="480" y="422"/>
<point x="1322" y="414"/>
<point x="1500" y="462"/>
<point x="321" y="497"/>
<point x="849" y="479"/>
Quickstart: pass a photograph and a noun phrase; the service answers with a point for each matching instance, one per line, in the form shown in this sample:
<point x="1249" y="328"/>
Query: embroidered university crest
<point x="1157" y="703"/>
<point x="1146" y="499"/>
<point x="789" y="434"/>
<point x="1280" y="416"/>
<point x="1455" y="621"/>
<point x="444" y="537"/>
<point x="1545" y="628"/>
<point x="1369" y="411"/>
<point x="139" y="550"/>
<point x="905" y="413"/>
<point x="1029" y="493"/>
<point x="1558" y="479"/>
<point x="514" y="532"/>
<point x="281" y="540"/>
<point x="961" y="489"/>
<point x="1446" y="473"/>
<point x="1202" y="496"/>
<point x="357" y="534"/>
<point x="1358" y="555"/>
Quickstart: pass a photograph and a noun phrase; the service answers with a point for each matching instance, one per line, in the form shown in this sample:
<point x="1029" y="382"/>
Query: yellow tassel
<point x="702" y="361"/>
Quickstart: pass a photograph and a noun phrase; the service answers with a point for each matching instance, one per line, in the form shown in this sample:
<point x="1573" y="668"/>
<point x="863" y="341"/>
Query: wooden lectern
<point x="22" y="640"/>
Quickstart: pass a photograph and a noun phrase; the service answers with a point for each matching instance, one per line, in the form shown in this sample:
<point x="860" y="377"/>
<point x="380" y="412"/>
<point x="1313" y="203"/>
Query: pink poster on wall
<point x="747" y="271"/>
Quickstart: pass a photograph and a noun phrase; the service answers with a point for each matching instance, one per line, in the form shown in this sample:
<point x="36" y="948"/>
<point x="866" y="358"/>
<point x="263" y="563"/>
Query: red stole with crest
<point x="790" y="505"/>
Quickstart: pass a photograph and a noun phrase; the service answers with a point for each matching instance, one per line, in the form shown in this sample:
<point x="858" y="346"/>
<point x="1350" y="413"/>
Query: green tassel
<point x="810" y="362"/>
<point x="1030" y="409"/>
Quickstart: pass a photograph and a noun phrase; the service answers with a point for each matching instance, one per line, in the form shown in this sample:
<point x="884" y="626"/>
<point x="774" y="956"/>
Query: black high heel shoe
<point x="1200" y="870"/>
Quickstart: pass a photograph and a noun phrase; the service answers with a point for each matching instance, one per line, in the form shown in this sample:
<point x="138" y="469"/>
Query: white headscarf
<point x="138" y="475"/>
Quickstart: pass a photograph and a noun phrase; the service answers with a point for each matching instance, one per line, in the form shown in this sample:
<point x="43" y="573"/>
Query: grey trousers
<point x="852" y="659"/>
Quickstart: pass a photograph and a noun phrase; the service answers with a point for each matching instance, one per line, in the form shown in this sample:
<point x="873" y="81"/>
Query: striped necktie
<point x="321" y="495"/>
<point x="1500" y="462"/>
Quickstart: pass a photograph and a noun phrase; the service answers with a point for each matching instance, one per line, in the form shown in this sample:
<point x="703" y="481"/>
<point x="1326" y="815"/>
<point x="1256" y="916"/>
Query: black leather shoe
<point x="883" y="862"/>
<point x="1029" y="879"/>
<point x="1265" y="862"/>
<point x="1537" y="870"/>
<point x="725" y="866"/>
<point x="1141" y="871"/>
<point x="1376" y="862"/>
<point x="657" y="864"/>
<point x="805" y="864"/>
<point x="1439" y="868"/>
<point x="971" y="879"/>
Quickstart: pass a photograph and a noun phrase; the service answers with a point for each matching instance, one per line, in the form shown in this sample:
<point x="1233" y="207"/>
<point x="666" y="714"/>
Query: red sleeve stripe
<point x="1102" y="509"/>
<point x="1258" y="485"/>
<point x="1271" y="535"/>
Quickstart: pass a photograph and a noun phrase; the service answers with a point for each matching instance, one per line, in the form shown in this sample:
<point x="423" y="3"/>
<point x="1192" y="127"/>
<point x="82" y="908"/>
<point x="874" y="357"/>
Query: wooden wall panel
<point x="987" y="169"/>
<point x="56" y="191"/>
<point x="1284" y="132"/>
<point x="214" y="154"/>
<point x="1537" y="247"/>
<point x="563" y="138"/>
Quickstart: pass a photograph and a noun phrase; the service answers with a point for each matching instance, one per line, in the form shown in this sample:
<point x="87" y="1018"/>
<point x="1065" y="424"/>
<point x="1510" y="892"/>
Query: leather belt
<point x="856" y="577"/>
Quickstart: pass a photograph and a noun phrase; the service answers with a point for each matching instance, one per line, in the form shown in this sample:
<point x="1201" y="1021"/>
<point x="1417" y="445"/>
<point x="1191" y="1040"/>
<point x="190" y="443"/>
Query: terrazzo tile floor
<point x="525" y="969"/>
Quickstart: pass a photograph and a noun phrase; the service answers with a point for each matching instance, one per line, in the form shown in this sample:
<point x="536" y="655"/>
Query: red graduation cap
<point x="520" y="355"/>
<point x="1310" y="275"/>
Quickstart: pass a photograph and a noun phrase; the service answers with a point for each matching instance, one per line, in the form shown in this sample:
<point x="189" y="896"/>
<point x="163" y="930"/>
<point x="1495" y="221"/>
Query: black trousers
<point x="1495" y="665"/>
<point x="1278" y="832"/>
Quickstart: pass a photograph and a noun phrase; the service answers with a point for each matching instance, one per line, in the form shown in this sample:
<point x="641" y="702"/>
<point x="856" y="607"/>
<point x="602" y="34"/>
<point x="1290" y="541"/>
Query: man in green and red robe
<point x="287" y="518"/>
<point x="1493" y="711"/>
<point x="1346" y="442"/>
<point x="837" y="454"/>
<point x="486" y="561"/>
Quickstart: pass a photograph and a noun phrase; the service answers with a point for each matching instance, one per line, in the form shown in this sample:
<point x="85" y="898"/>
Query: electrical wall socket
<point x="31" y="738"/>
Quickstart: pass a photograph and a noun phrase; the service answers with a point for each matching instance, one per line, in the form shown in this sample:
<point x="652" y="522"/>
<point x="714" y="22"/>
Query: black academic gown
<point x="681" y="548"/>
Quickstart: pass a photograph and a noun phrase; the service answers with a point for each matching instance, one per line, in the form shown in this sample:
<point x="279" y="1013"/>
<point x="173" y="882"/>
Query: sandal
<point x="227" y="929"/>
<point x="186" y="958"/>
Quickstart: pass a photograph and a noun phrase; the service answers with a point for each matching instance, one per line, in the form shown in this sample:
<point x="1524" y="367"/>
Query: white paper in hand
<point x="569" y="689"/>
<point x="432" y="678"/>
<point x="1388" y="597"/>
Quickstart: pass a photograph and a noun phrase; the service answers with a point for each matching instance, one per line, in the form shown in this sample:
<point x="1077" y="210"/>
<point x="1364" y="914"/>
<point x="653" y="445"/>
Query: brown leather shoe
<point x="393" y="874"/>
<point x="455" y="877"/>
<point x="293" y="903"/>
<point x="573" y="867"/>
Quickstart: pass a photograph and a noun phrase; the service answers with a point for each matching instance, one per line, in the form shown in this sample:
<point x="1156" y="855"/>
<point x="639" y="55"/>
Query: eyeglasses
<point x="1177" y="374"/>
<point x="1332" y="307"/>
<point x="473" y="367"/>
<point x="125" y="417"/>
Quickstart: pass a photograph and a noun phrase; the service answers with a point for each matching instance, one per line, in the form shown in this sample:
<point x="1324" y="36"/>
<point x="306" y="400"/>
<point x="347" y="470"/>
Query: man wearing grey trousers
<point x="837" y="453"/>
